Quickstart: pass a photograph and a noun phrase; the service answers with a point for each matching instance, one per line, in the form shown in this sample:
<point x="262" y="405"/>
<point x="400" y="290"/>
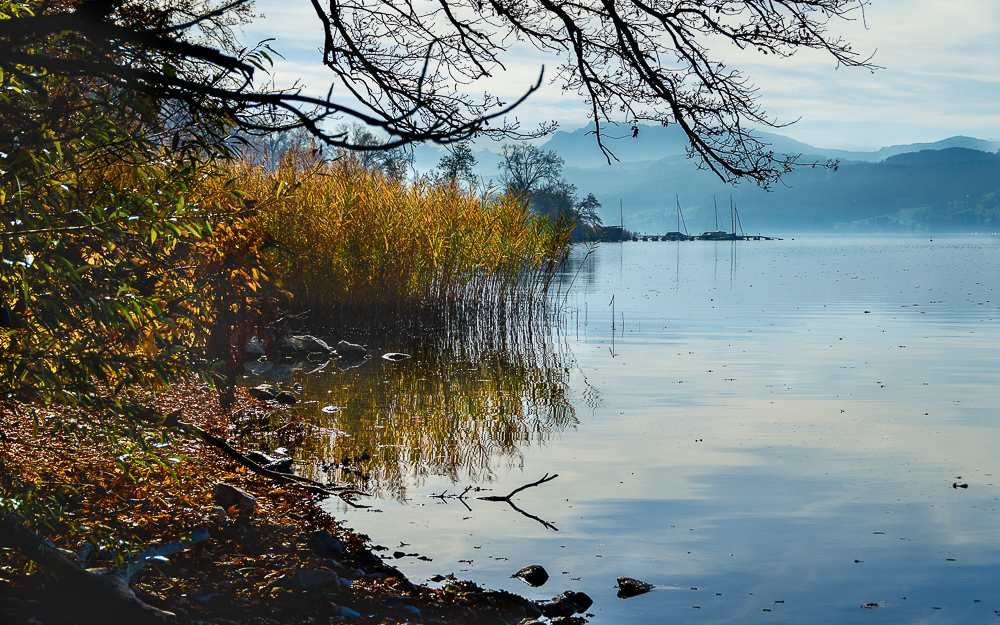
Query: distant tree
<point x="393" y="162"/>
<point x="526" y="169"/>
<point x="557" y="200"/>
<point x="587" y="210"/>
<point x="269" y="150"/>
<point x="536" y="174"/>
<point x="458" y="164"/>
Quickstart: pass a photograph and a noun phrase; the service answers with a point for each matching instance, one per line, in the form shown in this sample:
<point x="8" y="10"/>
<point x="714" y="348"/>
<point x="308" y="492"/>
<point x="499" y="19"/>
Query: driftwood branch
<point x="545" y="478"/>
<point x="461" y="497"/>
<point x="310" y="486"/>
<point x="102" y="591"/>
<point x="507" y="498"/>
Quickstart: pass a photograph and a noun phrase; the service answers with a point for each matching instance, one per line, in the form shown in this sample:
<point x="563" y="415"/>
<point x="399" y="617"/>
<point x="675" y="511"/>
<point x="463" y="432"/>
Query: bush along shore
<point x="248" y="549"/>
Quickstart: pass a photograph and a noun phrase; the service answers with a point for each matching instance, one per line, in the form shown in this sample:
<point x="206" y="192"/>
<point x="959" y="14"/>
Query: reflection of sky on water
<point x="747" y="428"/>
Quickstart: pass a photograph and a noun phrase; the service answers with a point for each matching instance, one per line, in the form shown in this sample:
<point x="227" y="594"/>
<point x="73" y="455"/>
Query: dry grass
<point x="351" y="242"/>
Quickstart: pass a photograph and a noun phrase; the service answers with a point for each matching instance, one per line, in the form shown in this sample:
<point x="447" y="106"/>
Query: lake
<point x="793" y="431"/>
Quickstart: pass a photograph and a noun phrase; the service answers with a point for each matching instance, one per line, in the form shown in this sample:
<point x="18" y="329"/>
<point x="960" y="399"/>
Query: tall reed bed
<point x="352" y="242"/>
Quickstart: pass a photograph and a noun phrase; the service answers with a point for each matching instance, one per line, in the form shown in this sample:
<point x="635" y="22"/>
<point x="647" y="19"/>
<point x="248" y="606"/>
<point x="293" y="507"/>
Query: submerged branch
<point x="310" y="486"/>
<point x="545" y="478"/>
<point x="461" y="497"/>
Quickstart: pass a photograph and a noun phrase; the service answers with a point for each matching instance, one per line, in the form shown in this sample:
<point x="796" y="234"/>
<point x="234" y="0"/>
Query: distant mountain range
<point x="949" y="185"/>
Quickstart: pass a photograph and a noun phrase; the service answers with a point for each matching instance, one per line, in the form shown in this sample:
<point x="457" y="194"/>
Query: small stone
<point x="345" y="612"/>
<point x="533" y="575"/>
<point x="286" y="399"/>
<point x="281" y="466"/>
<point x="227" y="496"/>
<point x="264" y="392"/>
<point x="260" y="458"/>
<point x="309" y="579"/>
<point x="628" y="587"/>
<point x="395" y="356"/>
<point x="411" y="611"/>
<point x="581" y="599"/>
<point x="326" y="544"/>
<point x="350" y="350"/>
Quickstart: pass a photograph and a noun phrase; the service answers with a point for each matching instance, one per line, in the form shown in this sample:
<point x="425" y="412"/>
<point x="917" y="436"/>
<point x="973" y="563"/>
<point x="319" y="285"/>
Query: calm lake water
<point x="768" y="432"/>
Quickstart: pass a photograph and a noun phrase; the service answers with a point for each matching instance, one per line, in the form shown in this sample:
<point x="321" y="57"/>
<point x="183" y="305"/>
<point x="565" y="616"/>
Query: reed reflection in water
<point x="469" y="399"/>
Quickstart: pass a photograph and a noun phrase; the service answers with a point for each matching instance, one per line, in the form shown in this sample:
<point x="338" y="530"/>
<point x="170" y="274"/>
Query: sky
<point x="940" y="74"/>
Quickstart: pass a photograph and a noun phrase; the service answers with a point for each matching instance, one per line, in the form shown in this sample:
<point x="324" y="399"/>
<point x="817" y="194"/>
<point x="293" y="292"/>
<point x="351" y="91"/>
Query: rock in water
<point x="533" y="575"/>
<point x="264" y="392"/>
<point x="308" y="343"/>
<point x="254" y="347"/>
<point x="561" y="605"/>
<point x="350" y="350"/>
<point x="395" y="356"/>
<point x="628" y="587"/>
<point x="281" y="466"/>
<point x="260" y="458"/>
<point x="581" y="599"/>
<point x="286" y="398"/>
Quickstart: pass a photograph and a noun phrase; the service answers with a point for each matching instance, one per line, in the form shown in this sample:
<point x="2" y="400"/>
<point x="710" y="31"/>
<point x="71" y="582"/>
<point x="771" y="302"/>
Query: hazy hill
<point x="579" y="147"/>
<point x="912" y="192"/>
<point x="949" y="185"/>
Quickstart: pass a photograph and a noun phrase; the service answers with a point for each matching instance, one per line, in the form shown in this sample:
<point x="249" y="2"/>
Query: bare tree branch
<point x="632" y="60"/>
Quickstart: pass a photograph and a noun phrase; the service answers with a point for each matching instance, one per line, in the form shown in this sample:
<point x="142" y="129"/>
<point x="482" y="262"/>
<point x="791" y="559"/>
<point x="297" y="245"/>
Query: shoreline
<point x="274" y="565"/>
